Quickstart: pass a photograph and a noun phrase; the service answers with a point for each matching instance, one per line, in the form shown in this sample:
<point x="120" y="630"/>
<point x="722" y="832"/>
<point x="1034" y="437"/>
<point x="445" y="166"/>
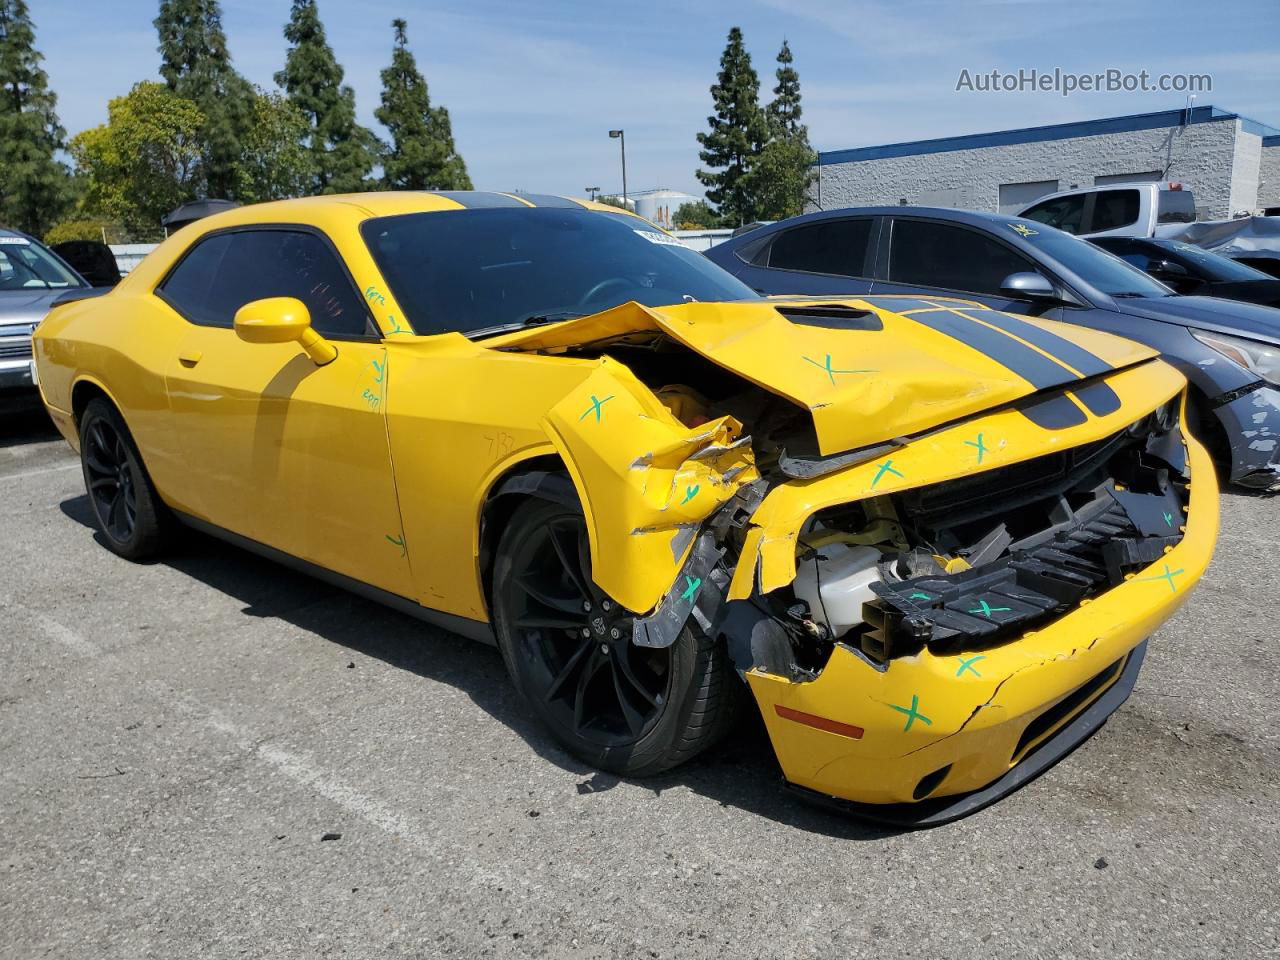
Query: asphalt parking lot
<point x="178" y="740"/>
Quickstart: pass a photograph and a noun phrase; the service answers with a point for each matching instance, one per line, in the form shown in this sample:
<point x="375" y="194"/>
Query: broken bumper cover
<point x="954" y="729"/>
<point x="1252" y="422"/>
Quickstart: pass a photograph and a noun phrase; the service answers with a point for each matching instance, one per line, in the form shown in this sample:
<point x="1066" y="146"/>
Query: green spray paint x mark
<point x="826" y="368"/>
<point x="912" y="713"/>
<point x="597" y="407"/>
<point x="399" y="542"/>
<point x="886" y="467"/>
<point x="693" y="584"/>
<point x="979" y="446"/>
<point x="968" y="665"/>
<point x="919" y="596"/>
<point x="1168" y="576"/>
<point x="987" y="610"/>
<point x="690" y="493"/>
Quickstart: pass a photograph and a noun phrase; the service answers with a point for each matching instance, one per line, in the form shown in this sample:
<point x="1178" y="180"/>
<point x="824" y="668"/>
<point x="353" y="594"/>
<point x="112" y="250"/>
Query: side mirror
<point x="1029" y="286"/>
<point x="283" y="320"/>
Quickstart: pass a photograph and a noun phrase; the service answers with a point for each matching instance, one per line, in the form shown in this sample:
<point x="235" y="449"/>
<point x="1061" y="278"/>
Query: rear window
<point x="834" y="246"/>
<point x="1176" y="206"/>
<point x="1113" y="209"/>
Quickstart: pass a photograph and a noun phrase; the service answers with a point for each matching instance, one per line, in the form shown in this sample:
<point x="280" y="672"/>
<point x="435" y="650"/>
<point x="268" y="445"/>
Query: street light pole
<point x="621" y="136"/>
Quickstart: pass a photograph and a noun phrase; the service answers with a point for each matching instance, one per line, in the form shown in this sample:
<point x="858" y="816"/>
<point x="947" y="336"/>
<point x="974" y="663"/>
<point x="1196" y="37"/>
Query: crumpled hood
<point x="1209" y="313"/>
<point x="868" y="369"/>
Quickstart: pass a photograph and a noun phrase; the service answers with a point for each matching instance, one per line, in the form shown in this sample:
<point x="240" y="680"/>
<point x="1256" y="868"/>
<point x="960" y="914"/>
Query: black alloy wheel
<point x="568" y="647"/>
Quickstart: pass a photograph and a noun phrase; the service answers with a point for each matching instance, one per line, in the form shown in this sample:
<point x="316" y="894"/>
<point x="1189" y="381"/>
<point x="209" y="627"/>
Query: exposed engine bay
<point x="955" y="566"/>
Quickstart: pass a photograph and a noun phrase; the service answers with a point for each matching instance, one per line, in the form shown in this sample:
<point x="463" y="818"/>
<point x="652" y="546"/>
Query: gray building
<point x="1230" y="162"/>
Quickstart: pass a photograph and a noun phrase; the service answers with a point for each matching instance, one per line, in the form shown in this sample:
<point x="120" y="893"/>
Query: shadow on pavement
<point x="741" y="772"/>
<point x="23" y="419"/>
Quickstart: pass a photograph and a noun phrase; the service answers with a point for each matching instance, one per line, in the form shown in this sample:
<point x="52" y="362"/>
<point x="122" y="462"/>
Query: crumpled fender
<point x="646" y="481"/>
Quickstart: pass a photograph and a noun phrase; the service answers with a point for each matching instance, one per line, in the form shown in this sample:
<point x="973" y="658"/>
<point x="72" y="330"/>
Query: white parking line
<point x="53" y="630"/>
<point x="40" y="472"/>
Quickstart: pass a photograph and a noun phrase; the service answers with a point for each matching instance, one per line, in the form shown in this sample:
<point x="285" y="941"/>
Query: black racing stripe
<point x="1099" y="398"/>
<point x="1072" y="354"/>
<point x="1030" y="365"/>
<point x="479" y="200"/>
<point x="897" y="304"/>
<point x="1055" y="413"/>
<point x="547" y="200"/>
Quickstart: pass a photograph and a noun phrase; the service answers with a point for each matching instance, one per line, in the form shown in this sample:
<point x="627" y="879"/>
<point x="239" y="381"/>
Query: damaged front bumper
<point x="939" y="733"/>
<point x="1252" y="422"/>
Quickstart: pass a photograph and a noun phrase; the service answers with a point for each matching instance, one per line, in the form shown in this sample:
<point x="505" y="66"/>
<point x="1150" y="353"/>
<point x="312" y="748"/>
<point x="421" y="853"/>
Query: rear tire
<point x="631" y="710"/>
<point x="129" y="514"/>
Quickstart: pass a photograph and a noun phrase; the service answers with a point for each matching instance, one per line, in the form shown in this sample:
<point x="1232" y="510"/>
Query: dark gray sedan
<point x="31" y="278"/>
<point x="1229" y="351"/>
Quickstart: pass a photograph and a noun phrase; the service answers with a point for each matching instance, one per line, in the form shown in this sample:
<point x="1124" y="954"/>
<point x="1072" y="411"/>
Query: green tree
<point x="33" y="184"/>
<point x="195" y="64"/>
<point x="422" y="155"/>
<point x="144" y="161"/>
<point x="783" y="172"/>
<point x="695" y="216"/>
<point x="739" y="131"/>
<point x="343" y="152"/>
<point x="784" y="110"/>
<point x="274" y="162"/>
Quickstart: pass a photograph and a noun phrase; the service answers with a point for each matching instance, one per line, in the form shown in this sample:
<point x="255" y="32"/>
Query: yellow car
<point x="931" y="538"/>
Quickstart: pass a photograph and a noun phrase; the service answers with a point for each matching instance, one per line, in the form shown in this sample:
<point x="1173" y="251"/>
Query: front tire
<point x="132" y="519"/>
<point x="631" y="710"/>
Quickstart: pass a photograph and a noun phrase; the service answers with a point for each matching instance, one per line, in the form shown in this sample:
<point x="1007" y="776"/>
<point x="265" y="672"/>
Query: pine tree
<point x="33" y="185"/>
<point x="422" y="155"/>
<point x="784" y="111"/>
<point x="780" y="179"/>
<point x="343" y="152"/>
<point x="195" y="64"/>
<point x="739" y="131"/>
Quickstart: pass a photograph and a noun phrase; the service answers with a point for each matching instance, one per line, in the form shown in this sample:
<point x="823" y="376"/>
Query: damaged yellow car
<point x="931" y="538"/>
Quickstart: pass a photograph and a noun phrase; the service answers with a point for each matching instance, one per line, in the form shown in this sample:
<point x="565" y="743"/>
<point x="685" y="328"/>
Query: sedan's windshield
<point x="1094" y="266"/>
<point x="477" y="270"/>
<point x="28" y="266"/>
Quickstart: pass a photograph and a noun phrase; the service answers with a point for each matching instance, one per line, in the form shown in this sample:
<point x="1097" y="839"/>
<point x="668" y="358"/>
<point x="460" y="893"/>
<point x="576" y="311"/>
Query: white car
<point x="1148" y="209"/>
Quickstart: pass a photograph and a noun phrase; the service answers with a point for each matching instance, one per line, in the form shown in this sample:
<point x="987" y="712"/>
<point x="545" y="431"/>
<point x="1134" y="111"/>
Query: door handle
<point x="189" y="358"/>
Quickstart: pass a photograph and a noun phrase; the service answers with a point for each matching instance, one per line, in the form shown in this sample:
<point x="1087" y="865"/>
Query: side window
<point x="1065" y="213"/>
<point x="832" y="246"/>
<point x="942" y="255"/>
<point x="1113" y="209"/>
<point x="224" y="272"/>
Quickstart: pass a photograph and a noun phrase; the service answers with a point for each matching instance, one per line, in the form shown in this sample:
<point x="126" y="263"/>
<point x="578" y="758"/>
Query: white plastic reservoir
<point x="836" y="583"/>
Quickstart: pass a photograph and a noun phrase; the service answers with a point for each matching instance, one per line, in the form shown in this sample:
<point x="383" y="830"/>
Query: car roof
<point x="977" y="218"/>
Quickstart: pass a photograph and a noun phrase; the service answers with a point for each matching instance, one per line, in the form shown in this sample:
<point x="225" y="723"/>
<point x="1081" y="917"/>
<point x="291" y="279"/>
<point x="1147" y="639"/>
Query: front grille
<point x="15" y="349"/>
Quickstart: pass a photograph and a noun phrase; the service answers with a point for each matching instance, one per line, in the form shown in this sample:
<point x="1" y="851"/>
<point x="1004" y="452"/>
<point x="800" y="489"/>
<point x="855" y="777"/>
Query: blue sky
<point x="533" y="85"/>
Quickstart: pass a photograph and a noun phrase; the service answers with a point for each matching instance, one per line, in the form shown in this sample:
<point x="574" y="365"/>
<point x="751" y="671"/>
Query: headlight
<point x="1260" y="359"/>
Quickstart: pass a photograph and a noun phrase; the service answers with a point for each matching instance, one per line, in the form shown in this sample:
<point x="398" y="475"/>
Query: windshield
<point x="473" y="270"/>
<point x="1103" y="270"/>
<point x="28" y="266"/>
<point x="1212" y="266"/>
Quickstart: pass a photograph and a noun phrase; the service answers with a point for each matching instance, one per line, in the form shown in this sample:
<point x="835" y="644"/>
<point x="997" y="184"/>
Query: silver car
<point x="31" y="278"/>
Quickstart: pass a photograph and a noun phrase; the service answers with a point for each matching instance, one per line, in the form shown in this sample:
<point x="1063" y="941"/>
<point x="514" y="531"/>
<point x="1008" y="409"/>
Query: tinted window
<point x="1113" y="209"/>
<point x="473" y="270"/>
<point x="1127" y="250"/>
<point x="834" y="246"/>
<point x="1175" y="206"/>
<point x="1095" y="266"/>
<point x="1065" y="213"/>
<point x="226" y="271"/>
<point x="941" y="255"/>
<point x="1212" y="266"/>
<point x="28" y="266"/>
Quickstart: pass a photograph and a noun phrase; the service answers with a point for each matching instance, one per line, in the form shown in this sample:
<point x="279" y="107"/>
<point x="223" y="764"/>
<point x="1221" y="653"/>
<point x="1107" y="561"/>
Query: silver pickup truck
<point x="31" y="278"/>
